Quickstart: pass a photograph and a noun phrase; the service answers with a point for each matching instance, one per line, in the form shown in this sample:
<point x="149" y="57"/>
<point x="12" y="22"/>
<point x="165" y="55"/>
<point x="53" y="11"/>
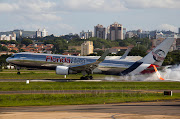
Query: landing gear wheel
<point x="90" y="77"/>
<point x="86" y="78"/>
<point x="82" y="78"/>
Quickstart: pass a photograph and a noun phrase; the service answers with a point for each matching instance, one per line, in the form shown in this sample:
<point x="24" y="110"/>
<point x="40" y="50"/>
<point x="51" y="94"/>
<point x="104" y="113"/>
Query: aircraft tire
<point x="90" y="77"/>
<point x="82" y="78"/>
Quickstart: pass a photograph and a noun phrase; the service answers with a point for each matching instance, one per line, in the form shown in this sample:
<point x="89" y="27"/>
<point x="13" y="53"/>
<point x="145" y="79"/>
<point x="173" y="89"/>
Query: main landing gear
<point x="87" y="75"/>
<point x="86" y="78"/>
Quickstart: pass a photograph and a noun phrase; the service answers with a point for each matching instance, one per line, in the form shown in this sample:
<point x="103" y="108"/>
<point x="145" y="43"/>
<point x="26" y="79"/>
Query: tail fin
<point x="157" y="55"/>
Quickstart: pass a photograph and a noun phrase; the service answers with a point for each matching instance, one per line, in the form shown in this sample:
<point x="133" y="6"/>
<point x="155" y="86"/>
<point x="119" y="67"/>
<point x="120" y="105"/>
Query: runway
<point x="142" y="110"/>
<point x="75" y="80"/>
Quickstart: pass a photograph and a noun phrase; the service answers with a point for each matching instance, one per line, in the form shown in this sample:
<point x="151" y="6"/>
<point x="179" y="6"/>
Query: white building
<point x="38" y="33"/>
<point x="44" y="33"/>
<point x="9" y="37"/>
<point x="159" y="35"/>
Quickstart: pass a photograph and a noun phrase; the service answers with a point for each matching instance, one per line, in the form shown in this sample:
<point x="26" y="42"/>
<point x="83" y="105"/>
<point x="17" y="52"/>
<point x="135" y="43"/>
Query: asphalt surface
<point x="143" y="108"/>
<point x="74" y="80"/>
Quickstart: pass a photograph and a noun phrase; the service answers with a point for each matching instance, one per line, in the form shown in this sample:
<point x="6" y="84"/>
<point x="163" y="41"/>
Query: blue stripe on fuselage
<point x="131" y="68"/>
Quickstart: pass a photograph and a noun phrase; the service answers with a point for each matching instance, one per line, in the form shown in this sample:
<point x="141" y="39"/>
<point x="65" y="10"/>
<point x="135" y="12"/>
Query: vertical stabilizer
<point x="157" y="55"/>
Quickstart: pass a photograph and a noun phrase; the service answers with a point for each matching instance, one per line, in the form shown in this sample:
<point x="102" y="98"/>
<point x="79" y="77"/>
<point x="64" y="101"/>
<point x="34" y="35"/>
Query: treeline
<point x="172" y="58"/>
<point x="3" y="62"/>
<point x="61" y="44"/>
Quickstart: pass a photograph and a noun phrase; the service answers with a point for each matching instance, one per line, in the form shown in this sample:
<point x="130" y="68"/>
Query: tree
<point x="3" y="60"/>
<point x="13" y="42"/>
<point x="172" y="58"/>
<point x="26" y="41"/>
<point x="60" y="46"/>
<point x="4" y="42"/>
<point x="13" y="51"/>
<point x="138" y="51"/>
<point x="3" y="48"/>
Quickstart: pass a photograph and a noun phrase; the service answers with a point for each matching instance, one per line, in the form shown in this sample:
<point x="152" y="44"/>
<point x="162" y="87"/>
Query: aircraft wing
<point x="90" y="66"/>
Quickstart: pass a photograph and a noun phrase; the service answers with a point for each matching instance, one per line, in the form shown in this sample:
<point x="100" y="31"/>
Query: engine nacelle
<point x="62" y="70"/>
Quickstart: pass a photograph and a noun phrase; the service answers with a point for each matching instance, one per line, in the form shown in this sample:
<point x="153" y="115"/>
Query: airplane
<point x="65" y="65"/>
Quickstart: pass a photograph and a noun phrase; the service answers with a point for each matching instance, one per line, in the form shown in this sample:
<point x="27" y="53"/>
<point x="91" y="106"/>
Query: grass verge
<point x="41" y="74"/>
<point x="18" y="86"/>
<point x="74" y="99"/>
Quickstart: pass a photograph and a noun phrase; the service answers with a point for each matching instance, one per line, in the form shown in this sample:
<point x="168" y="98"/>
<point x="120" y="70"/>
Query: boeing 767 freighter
<point x="65" y="65"/>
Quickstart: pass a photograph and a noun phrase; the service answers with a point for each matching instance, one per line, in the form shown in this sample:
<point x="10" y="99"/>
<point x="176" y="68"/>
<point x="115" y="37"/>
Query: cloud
<point x="39" y="6"/>
<point x="115" y="5"/>
<point x="93" y="5"/>
<point x="43" y="17"/>
<point x="36" y="5"/>
<point x="138" y="4"/>
<point x="61" y="28"/>
<point x="32" y="9"/>
<point x="167" y="27"/>
<point x="5" y="7"/>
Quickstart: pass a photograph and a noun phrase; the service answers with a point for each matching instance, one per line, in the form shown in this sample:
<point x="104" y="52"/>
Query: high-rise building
<point x="13" y="36"/>
<point x="179" y="30"/>
<point x="86" y="35"/>
<point x="116" y="31"/>
<point x="100" y="31"/>
<point x="38" y="33"/>
<point x="124" y="33"/>
<point x="44" y="33"/>
<point x="108" y="32"/>
<point x="20" y="33"/>
<point x="90" y="34"/>
<point x="139" y="31"/>
<point x="82" y="34"/>
<point x="87" y="48"/>
<point x="129" y="34"/>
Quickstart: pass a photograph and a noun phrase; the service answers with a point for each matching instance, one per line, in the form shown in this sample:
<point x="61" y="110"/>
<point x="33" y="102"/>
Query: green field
<point x="74" y="99"/>
<point x="71" y="99"/>
<point x="16" y="86"/>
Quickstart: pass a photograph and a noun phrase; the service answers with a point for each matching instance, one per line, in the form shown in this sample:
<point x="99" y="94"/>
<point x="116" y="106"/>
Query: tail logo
<point x="158" y="55"/>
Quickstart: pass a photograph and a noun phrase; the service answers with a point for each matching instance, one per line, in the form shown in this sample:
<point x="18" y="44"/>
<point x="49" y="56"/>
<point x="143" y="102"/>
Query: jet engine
<point x="62" y="70"/>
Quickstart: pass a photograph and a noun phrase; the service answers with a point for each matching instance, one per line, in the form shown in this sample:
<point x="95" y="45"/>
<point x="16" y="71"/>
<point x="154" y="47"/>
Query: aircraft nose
<point x="7" y="60"/>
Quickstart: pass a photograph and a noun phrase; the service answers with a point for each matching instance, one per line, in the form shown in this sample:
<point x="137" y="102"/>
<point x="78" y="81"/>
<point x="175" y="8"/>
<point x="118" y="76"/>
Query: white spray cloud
<point x="172" y="74"/>
<point x="169" y="74"/>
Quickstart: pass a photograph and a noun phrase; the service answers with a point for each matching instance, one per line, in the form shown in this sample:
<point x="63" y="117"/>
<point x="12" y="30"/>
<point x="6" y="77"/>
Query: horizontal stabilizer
<point x="126" y="53"/>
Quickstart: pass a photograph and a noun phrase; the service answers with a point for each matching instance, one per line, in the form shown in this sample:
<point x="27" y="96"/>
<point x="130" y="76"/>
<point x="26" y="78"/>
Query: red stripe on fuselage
<point x="150" y="69"/>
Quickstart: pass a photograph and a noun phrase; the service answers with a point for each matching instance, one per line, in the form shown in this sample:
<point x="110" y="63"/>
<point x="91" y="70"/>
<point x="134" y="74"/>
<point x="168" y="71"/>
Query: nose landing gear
<point x="18" y="70"/>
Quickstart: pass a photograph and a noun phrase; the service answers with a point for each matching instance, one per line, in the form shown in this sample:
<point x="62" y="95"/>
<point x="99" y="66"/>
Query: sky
<point x="61" y="17"/>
